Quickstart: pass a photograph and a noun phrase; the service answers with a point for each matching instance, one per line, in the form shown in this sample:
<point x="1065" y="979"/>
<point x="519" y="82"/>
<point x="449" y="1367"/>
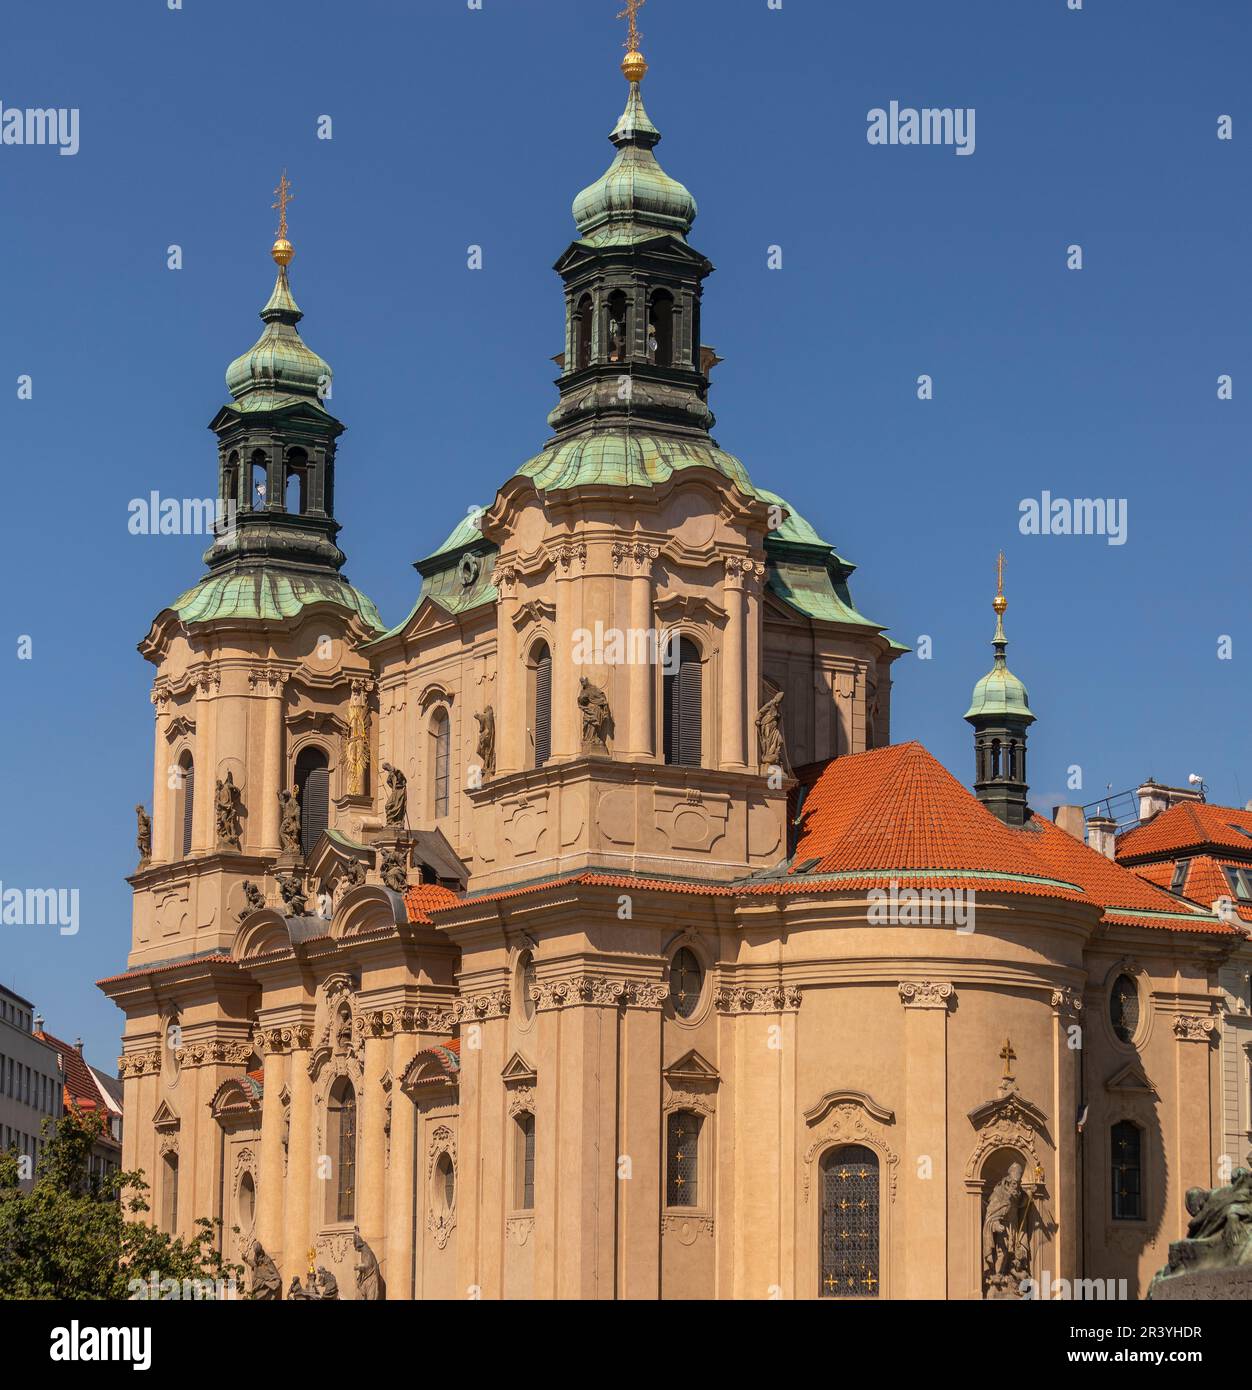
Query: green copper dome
<point x="278" y="369"/>
<point x="617" y="458"/>
<point x="635" y="199"/>
<point x="1000" y="693"/>
<point x="266" y="595"/>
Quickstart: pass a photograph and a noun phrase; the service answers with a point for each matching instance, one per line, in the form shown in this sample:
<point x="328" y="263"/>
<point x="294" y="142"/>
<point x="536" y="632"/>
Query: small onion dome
<point x="635" y="199"/>
<point x="278" y="369"/>
<point x="1000" y="693"/>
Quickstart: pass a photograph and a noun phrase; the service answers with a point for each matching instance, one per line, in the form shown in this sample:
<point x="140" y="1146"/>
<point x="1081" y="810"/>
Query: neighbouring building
<point x="585" y="935"/>
<point x="85" y="1090"/>
<point x="30" y="1082"/>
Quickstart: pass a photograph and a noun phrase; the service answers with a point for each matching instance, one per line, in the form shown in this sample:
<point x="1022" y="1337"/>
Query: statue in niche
<point x="1006" y="1232"/>
<point x="295" y="902"/>
<point x="396" y="805"/>
<point x="394" y="868"/>
<point x="289" y="820"/>
<point x="143" y="834"/>
<point x="369" y="1285"/>
<point x="596" y="715"/>
<point x="617" y="340"/>
<point x="1219" y="1234"/>
<point x="267" y="1283"/>
<point x="771" y="748"/>
<point x="355" y="745"/>
<point x="253" y="900"/>
<point x="343" y="1030"/>
<point x="226" y="804"/>
<point x="486" y="748"/>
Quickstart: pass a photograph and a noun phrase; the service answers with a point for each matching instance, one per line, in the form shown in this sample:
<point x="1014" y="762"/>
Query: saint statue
<point x="394" y="868"/>
<point x="253" y="899"/>
<point x="1005" y="1237"/>
<point x="143" y="835"/>
<point x="1219" y="1234"/>
<point x="395" y="807"/>
<point x="327" y="1284"/>
<point x="487" y="740"/>
<point x="353" y="873"/>
<point x="369" y="1283"/>
<point x="356" y="743"/>
<point x="597" y="717"/>
<point x="294" y="901"/>
<point x="772" y="750"/>
<point x="289" y="821"/>
<point x="297" y="1294"/>
<point x="267" y="1283"/>
<point x="226" y="806"/>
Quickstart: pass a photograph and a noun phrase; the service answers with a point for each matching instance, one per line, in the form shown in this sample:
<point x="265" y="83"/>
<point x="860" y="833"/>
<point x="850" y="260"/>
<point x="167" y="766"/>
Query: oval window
<point x="686" y="982"/>
<point x="1124" y="1008"/>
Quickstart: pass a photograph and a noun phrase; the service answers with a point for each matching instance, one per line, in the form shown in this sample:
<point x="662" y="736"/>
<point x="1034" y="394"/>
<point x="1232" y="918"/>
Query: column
<point x="639" y="1200"/>
<point x="733" y="673"/>
<point x="402" y="1176"/>
<point x="161" y="847"/>
<point x="511" y="711"/>
<point x="566" y="728"/>
<point x="637" y="560"/>
<point x="1066" y="1014"/>
<point x="297" y="1234"/>
<point x="272" y="1182"/>
<point x="926" y="1003"/>
<point x="372" y="1177"/>
<point x="272" y="685"/>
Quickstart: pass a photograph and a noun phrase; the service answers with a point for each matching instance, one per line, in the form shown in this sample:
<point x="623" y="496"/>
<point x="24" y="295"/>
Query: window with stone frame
<point x="1126" y="1145"/>
<point x="682" y="1158"/>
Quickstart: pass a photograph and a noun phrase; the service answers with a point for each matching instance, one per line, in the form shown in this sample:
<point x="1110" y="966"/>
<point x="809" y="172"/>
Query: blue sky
<point x="454" y="127"/>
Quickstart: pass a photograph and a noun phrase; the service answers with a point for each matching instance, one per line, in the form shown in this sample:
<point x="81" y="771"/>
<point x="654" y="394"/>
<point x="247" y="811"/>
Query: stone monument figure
<point x="289" y="820"/>
<point x="597" y="717"/>
<point x="1005" y="1237"/>
<point x="143" y="834"/>
<point x="1219" y="1234"/>
<point x="771" y="748"/>
<point x="253" y="899"/>
<point x="291" y="886"/>
<point x="369" y="1284"/>
<point x="487" y="740"/>
<point x="395" y="807"/>
<point x="226" y="809"/>
<point x="394" y="868"/>
<point x="267" y="1283"/>
<point x="356" y="743"/>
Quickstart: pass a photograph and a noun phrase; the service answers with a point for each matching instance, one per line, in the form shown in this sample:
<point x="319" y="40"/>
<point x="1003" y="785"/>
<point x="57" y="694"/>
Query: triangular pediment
<point x="1130" y="1080"/>
<point x="518" y="1071"/>
<point x="165" y="1116"/>
<point x="691" y="1069"/>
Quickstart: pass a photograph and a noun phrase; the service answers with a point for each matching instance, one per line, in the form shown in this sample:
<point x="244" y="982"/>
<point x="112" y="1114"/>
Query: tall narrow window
<point x="343" y="1135"/>
<point x="661" y="329"/>
<point x="230" y="479"/>
<point x="541" y="659"/>
<point x="686" y="982"/>
<point x="169" y="1193"/>
<point x="582" y="333"/>
<point x="682" y="704"/>
<point x="187" y="797"/>
<point x="313" y="780"/>
<point x="297" y="491"/>
<point x="1125" y="1138"/>
<point x="259" y="469"/>
<point x="526" y="978"/>
<point x="682" y="1159"/>
<point x="848" y="1265"/>
<point x="616" y="327"/>
<point x="1124" y="1008"/>
<point x="440" y="760"/>
<point x="524" y="1161"/>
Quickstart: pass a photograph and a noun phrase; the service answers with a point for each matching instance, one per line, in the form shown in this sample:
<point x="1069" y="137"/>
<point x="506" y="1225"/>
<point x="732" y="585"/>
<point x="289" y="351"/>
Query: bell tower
<point x="1000" y="713"/>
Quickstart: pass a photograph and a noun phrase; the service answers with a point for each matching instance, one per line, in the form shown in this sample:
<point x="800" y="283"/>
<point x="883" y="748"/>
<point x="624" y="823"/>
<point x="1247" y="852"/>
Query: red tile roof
<point x="1186" y="826"/>
<point x="423" y="898"/>
<point x="80" y="1087"/>
<point x="1206" y="883"/>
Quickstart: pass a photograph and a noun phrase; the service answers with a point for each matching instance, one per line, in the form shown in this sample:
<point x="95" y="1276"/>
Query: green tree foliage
<point x="77" y="1236"/>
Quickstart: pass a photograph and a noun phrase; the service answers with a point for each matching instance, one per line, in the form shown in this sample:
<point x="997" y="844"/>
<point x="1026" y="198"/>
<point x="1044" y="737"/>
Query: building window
<point x="440" y="760"/>
<point x="682" y="733"/>
<point x="582" y="333"/>
<point x="526" y="977"/>
<point x="296" y="498"/>
<point x="686" y="982"/>
<point x="848" y="1265"/>
<point x="186" y="799"/>
<point x="541" y="703"/>
<point x="1180" y="876"/>
<point x="259" y="469"/>
<point x="617" y="334"/>
<point x="313" y="782"/>
<point x="443" y="1190"/>
<point x="1126" y="1140"/>
<point x="1240" y="881"/>
<point x="169" y="1193"/>
<point x="524" y="1162"/>
<point x="682" y="1158"/>
<point x="1124" y="1008"/>
<point x="247" y="1201"/>
<point x="343" y="1145"/>
<point x="661" y="329"/>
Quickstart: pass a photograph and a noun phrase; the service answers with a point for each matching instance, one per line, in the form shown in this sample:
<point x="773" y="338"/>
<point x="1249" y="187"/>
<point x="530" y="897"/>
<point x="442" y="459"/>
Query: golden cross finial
<point x="1009" y="1056"/>
<point x="631" y="14"/>
<point x="284" y="195"/>
<point x="1000" y="575"/>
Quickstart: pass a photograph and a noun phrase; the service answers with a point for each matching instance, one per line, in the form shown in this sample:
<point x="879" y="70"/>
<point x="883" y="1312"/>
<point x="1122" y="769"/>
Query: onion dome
<point x="1000" y="693"/>
<point x="635" y="199"/>
<point x="278" y="369"/>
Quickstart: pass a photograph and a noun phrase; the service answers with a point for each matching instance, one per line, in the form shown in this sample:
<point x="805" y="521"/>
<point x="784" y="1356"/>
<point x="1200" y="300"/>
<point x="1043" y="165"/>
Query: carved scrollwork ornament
<point x="1194" y="1028"/>
<point x="747" y="1000"/>
<point x="926" y="994"/>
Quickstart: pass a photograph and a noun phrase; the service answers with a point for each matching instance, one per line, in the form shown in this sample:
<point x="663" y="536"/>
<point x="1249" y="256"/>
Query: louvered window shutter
<point x="189" y="802"/>
<point x="689" y="701"/>
<point x="314" y="808"/>
<point x="543" y="707"/>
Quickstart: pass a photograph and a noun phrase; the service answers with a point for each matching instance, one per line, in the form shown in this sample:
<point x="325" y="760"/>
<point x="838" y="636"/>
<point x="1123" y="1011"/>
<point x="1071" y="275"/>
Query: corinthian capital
<point x="925" y="994"/>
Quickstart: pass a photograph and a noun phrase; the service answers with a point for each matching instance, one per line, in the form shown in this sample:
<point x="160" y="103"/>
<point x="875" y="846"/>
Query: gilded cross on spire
<point x="1001" y="603"/>
<point x="1009" y="1056"/>
<point x="284" y="195"/>
<point x="633" y="64"/>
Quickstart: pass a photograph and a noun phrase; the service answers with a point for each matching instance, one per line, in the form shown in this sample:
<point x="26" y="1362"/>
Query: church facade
<point x="585" y="935"/>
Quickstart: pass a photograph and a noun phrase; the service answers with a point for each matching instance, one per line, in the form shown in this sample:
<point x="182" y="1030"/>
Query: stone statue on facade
<point x="1006" y="1237"/>
<point x="253" y="900"/>
<point x="771" y="748"/>
<point x="396" y="805"/>
<point x="267" y="1283"/>
<point x="143" y="834"/>
<point x="289" y="820"/>
<point x="369" y="1281"/>
<point x="327" y="1284"/>
<point x="353" y="874"/>
<point x="487" y="740"/>
<point x="394" y="868"/>
<point x="597" y="717"/>
<point x="1219" y="1234"/>
<point x="297" y="1293"/>
<point x="356" y="743"/>
<point x="226" y="808"/>
<point x="291" y="886"/>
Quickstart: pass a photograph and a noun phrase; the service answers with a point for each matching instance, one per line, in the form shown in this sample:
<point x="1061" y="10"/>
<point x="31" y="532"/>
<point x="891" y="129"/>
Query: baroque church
<point x="475" y="957"/>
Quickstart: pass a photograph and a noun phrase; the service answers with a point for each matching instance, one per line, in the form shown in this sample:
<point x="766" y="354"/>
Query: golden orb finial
<point x="634" y="66"/>
<point x="282" y="250"/>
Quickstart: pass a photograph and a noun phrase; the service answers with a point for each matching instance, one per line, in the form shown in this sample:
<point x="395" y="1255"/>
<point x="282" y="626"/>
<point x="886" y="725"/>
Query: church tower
<point x="1000" y="713"/>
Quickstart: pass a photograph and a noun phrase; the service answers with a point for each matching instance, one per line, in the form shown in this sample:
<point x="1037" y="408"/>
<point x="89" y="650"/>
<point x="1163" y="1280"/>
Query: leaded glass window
<point x="849" y="1265"/>
<point x="682" y="1159"/>
<point x="525" y="1167"/>
<point x="441" y="734"/>
<point x="344" y="1114"/>
<point x="686" y="982"/>
<point x="1124" y="1008"/>
<point x="1127" y="1173"/>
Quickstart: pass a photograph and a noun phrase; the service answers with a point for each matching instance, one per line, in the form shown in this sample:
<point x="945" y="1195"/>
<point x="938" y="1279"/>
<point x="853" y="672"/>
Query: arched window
<point x="443" y="1185"/>
<point x="313" y="780"/>
<point x="1124" y="1008"/>
<point x="682" y="692"/>
<point x="524" y="1161"/>
<point x="1125" y="1145"/>
<point x="682" y="1158"/>
<point x="995" y="757"/>
<point x="169" y="1193"/>
<point x="185" y="814"/>
<point x="661" y="329"/>
<point x="296" y="495"/>
<point x="230" y="478"/>
<point x="848" y="1265"/>
<point x="259" y="469"/>
<point x="617" y="328"/>
<point x="246" y="1205"/>
<point x="582" y="333"/>
<point x="541" y="702"/>
<point x="342" y="1135"/>
<point x="686" y="982"/>
<point x="440" y="761"/>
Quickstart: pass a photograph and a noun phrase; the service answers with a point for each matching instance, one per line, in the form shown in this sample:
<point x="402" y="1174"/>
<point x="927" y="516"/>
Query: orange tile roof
<point x="1189" y="825"/>
<point x="1205" y="884"/>
<point x="80" y="1087"/>
<point x="423" y="898"/>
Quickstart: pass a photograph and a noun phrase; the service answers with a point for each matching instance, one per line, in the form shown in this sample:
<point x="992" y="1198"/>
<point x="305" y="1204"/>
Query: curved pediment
<point x="369" y="908"/>
<point x="859" y="1099"/>
<point x="260" y="933"/>
<point x="237" y="1095"/>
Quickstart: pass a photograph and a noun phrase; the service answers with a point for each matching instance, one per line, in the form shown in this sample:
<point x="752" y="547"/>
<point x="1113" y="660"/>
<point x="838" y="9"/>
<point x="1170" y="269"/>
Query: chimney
<point x="1102" y="835"/>
<point x="78" y="1046"/>
<point x="39" y="1023"/>
<point x="1069" y="819"/>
